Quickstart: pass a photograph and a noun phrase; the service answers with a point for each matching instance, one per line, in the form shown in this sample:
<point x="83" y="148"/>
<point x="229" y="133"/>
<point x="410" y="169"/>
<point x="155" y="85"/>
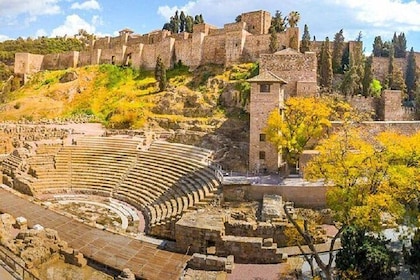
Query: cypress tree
<point x="160" y="74"/>
<point x="182" y="22"/>
<point x="337" y="53"/>
<point x="274" y="42"/>
<point x="410" y="76"/>
<point x="326" y="72"/>
<point x="377" y="46"/>
<point x="305" y="44"/>
<point x="367" y="77"/>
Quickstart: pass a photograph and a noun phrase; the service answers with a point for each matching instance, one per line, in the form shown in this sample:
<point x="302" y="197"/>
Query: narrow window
<point x="262" y="137"/>
<point x="262" y="155"/>
<point x="265" y="88"/>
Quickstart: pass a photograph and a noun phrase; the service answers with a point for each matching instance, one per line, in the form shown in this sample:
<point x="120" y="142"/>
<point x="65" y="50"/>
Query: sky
<point x="33" y="18"/>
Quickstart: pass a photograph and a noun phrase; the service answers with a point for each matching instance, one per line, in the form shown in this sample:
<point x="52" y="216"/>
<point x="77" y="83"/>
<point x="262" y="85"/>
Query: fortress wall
<point x="216" y="32"/>
<point x="84" y="58"/>
<point x="50" y="62"/>
<point x="68" y="60"/>
<point x="164" y="49"/>
<point x="181" y="36"/>
<point x="148" y="57"/>
<point x="115" y="43"/>
<point x="235" y="41"/>
<point x="203" y="28"/>
<point x="135" y="51"/>
<point x="184" y="50"/>
<point x="102" y="43"/>
<point x="214" y="50"/>
<point x="197" y="49"/>
<point x="380" y="67"/>
<point x="234" y="27"/>
<point x="134" y="40"/>
<point x="256" y="45"/>
<point x="393" y="109"/>
<point x="257" y="22"/>
<point x="26" y="63"/>
<point x="111" y="56"/>
<point x="291" y="67"/>
<point x="306" y="89"/>
<point x="363" y="104"/>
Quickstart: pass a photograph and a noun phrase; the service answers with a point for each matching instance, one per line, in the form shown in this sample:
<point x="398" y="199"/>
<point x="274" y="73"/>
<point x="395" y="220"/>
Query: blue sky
<point x="32" y="18"/>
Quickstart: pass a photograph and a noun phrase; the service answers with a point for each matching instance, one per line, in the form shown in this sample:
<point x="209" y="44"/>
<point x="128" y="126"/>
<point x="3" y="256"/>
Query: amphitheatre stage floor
<point x="116" y="251"/>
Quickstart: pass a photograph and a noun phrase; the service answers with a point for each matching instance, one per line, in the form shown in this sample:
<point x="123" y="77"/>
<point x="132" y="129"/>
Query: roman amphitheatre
<point x="179" y="193"/>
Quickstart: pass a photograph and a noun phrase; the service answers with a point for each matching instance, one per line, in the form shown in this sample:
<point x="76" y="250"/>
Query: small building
<point x="267" y="94"/>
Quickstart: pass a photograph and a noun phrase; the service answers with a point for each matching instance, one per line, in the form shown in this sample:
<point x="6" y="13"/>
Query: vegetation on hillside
<point x="123" y="97"/>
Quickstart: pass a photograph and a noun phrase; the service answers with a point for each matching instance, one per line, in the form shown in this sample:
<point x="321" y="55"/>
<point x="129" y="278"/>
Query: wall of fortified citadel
<point x="236" y="42"/>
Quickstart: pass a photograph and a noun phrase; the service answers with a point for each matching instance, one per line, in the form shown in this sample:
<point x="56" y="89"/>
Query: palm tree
<point x="293" y="18"/>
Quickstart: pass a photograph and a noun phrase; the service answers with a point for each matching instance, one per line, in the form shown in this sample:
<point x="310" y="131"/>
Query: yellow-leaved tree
<point x="302" y="120"/>
<point x="366" y="178"/>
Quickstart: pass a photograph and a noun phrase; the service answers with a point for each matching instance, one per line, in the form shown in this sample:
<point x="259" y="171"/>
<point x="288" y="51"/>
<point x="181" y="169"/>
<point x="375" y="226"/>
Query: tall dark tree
<point x="367" y="77"/>
<point x="325" y="69"/>
<point x="305" y="44"/>
<point x="160" y="74"/>
<point x="377" y="46"/>
<point x="278" y="22"/>
<point x="337" y="52"/>
<point x="182" y="22"/>
<point x="274" y="41"/>
<point x="400" y="45"/>
<point x="410" y="74"/>
<point x="176" y="22"/>
<point x="365" y="256"/>
<point x="189" y="23"/>
<point x="389" y="78"/>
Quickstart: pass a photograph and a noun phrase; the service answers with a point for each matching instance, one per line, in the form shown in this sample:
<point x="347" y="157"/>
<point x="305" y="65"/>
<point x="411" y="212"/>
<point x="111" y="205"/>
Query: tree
<point x="364" y="256"/>
<point x="410" y="76"/>
<point x="325" y="70"/>
<point x="293" y="18"/>
<point x="400" y="45"/>
<point x="303" y="119"/>
<point x="274" y="41"/>
<point x="366" y="177"/>
<point x="337" y="52"/>
<point x="367" y="77"/>
<point x="182" y="22"/>
<point x="160" y="74"/>
<point x="305" y="44"/>
<point x="412" y="256"/>
<point x="377" y="46"/>
<point x="351" y="84"/>
<point x="278" y="22"/>
<point x="189" y="23"/>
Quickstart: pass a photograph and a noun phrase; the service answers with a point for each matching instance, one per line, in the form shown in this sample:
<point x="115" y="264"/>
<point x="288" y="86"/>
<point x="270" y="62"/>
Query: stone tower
<point x="267" y="94"/>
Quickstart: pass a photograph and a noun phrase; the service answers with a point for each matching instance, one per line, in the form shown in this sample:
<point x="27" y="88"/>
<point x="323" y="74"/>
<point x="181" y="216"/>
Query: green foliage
<point x="368" y="78"/>
<point x="325" y="66"/>
<point x="42" y="45"/>
<point x="305" y="44"/>
<point x="337" y="52"/>
<point x="352" y="83"/>
<point x="375" y="88"/>
<point x="160" y="74"/>
<point x="274" y="41"/>
<point x="410" y="76"/>
<point x="182" y="22"/>
<point x="5" y="72"/>
<point x="278" y="22"/>
<point x="400" y="45"/>
<point x="293" y="18"/>
<point x="377" y="46"/>
<point x="365" y="256"/>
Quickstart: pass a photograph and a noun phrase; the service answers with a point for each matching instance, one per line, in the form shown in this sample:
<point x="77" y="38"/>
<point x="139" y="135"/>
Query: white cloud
<point x="87" y="5"/>
<point x="392" y="15"/>
<point x="72" y="25"/>
<point x="14" y="8"/>
<point x="4" y="38"/>
<point x="41" y="33"/>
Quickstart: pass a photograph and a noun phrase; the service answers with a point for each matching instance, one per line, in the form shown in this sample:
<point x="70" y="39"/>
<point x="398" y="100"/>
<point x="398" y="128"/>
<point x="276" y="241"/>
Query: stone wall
<point x="302" y="195"/>
<point x="380" y="67"/>
<point x="26" y="63"/>
<point x="292" y="66"/>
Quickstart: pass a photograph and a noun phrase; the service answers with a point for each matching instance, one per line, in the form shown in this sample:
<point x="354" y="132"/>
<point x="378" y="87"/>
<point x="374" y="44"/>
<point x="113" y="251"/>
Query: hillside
<point x="205" y="107"/>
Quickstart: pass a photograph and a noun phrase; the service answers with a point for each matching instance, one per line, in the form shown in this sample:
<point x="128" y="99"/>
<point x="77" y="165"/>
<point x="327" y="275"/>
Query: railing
<point x="12" y="261"/>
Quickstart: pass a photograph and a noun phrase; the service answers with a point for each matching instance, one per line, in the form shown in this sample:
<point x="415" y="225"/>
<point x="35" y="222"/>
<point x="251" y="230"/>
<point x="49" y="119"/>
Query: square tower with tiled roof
<point x="267" y="94"/>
